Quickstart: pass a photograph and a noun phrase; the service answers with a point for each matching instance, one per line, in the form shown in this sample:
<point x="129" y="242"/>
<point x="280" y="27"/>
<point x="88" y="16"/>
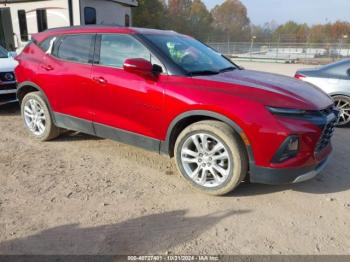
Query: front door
<point x="125" y="101"/>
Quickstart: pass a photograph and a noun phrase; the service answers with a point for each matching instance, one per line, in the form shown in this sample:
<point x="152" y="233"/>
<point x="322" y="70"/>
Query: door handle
<point x="100" y="80"/>
<point x="47" y="67"/>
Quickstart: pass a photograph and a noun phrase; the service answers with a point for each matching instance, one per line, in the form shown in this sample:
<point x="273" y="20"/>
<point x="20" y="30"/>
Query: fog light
<point x="288" y="150"/>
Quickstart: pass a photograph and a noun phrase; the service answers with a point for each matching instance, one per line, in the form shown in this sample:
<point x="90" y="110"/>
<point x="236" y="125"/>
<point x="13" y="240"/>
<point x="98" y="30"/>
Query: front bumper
<point x="8" y="92"/>
<point x="274" y="176"/>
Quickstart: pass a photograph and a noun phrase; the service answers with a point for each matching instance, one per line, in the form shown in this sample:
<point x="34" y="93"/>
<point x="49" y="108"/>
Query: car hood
<point x="7" y="64"/>
<point x="276" y="90"/>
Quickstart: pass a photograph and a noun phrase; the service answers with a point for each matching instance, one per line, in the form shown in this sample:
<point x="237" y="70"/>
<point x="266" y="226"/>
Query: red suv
<point x="171" y="94"/>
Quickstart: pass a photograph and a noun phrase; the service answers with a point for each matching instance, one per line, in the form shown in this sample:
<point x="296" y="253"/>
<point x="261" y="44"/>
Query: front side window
<point x="190" y="54"/>
<point x="23" y="28"/>
<point x="115" y="49"/>
<point x="75" y="48"/>
<point x="90" y="15"/>
<point x="41" y="18"/>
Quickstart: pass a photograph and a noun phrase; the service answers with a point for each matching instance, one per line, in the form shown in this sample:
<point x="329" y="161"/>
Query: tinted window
<point x="115" y="49"/>
<point x="190" y="54"/>
<point x="75" y="48"/>
<point x="41" y="18"/>
<point x="90" y="15"/>
<point x="22" y="21"/>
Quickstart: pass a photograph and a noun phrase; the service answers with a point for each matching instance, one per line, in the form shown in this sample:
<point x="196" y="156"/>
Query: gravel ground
<point x="84" y="195"/>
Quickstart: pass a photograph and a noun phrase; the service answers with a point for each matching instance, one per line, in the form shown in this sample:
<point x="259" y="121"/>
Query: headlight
<point x="285" y="111"/>
<point x="288" y="149"/>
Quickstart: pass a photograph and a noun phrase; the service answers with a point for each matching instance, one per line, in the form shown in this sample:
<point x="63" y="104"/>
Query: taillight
<point x="299" y="76"/>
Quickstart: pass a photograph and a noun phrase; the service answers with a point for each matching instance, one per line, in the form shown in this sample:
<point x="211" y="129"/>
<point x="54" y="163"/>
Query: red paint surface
<point x="146" y="105"/>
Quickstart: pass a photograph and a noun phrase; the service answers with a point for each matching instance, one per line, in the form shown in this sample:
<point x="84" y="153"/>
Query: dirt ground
<point x="84" y="195"/>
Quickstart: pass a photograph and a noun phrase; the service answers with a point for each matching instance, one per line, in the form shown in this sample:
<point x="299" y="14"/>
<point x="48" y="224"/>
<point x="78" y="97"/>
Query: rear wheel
<point x="211" y="157"/>
<point x="37" y="117"/>
<point x="343" y="104"/>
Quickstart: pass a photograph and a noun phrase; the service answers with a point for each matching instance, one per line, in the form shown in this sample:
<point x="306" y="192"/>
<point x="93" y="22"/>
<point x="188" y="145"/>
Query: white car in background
<point x="8" y="86"/>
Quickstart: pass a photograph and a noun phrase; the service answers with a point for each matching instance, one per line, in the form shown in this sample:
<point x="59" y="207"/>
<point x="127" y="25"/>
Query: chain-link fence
<point x="284" y="52"/>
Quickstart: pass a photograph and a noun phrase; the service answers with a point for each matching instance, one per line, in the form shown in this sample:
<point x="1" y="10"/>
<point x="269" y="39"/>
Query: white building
<point x="19" y="19"/>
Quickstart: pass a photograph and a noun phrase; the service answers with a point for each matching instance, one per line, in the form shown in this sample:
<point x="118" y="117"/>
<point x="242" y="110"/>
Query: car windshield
<point x="191" y="55"/>
<point x="3" y="52"/>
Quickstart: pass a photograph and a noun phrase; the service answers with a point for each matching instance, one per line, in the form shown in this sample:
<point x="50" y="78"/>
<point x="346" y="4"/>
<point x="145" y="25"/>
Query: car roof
<point x="99" y="29"/>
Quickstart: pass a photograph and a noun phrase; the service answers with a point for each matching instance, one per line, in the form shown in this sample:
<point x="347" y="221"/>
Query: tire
<point x="224" y="169"/>
<point x="343" y="104"/>
<point x="34" y="110"/>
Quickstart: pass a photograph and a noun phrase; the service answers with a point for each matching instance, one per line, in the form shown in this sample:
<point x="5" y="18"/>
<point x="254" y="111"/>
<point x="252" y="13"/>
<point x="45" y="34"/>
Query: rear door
<point x="66" y="75"/>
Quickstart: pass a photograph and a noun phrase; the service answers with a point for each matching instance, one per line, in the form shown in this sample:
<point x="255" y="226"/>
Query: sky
<point x="301" y="11"/>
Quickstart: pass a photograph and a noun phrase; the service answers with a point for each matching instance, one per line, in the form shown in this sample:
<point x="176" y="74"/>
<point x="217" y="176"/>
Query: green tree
<point x="231" y="22"/>
<point x="150" y="14"/>
<point x="200" y="20"/>
<point x="291" y="32"/>
<point x="178" y="15"/>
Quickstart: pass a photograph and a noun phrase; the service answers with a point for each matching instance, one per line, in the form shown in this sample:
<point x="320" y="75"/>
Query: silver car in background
<point x="8" y="86"/>
<point x="334" y="79"/>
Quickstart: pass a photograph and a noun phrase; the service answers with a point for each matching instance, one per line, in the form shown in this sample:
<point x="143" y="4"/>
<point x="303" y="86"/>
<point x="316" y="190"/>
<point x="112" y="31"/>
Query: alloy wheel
<point x="206" y="160"/>
<point x="343" y="106"/>
<point x="34" y="117"/>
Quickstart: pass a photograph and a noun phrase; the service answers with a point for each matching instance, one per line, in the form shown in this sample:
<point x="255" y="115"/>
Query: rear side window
<point x="75" y="48"/>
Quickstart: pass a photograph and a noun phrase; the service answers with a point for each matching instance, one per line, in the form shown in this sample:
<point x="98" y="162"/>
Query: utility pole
<point x="347" y="45"/>
<point x="251" y="46"/>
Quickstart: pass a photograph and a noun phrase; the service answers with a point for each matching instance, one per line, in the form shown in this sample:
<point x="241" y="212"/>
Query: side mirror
<point x="138" y="66"/>
<point x="11" y="54"/>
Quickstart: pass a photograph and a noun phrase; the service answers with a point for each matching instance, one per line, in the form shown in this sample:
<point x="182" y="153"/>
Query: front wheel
<point x="211" y="157"/>
<point x="37" y="117"/>
<point x="343" y="105"/>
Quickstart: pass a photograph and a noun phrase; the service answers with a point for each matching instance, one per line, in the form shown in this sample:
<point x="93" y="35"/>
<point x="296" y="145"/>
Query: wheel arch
<point x="185" y="119"/>
<point x="29" y="87"/>
<point x="339" y="93"/>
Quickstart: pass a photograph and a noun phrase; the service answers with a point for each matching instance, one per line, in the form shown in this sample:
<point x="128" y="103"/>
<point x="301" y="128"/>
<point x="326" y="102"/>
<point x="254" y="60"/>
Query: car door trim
<point x="104" y="131"/>
<point x="73" y="123"/>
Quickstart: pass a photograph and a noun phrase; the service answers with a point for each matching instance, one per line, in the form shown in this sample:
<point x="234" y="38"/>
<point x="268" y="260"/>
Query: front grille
<point x="328" y="130"/>
<point x="7" y="77"/>
<point x="328" y="110"/>
<point x="8" y="87"/>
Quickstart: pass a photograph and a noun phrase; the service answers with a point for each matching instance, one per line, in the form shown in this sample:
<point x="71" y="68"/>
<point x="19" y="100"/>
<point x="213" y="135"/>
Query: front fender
<point x="165" y="146"/>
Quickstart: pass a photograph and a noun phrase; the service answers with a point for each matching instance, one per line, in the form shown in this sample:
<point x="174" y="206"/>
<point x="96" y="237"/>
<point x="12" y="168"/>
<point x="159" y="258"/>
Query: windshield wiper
<point x="203" y="72"/>
<point x="231" y="68"/>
